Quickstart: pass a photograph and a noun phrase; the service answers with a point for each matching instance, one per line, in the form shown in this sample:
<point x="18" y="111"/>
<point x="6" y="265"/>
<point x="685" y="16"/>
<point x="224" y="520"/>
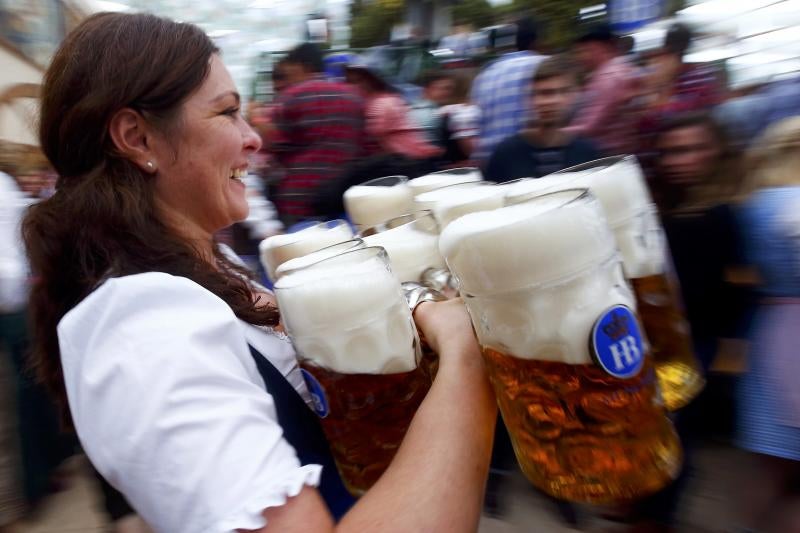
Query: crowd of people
<point x="109" y="249"/>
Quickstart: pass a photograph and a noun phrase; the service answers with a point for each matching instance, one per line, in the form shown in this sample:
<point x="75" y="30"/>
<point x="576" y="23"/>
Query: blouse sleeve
<point x="170" y="408"/>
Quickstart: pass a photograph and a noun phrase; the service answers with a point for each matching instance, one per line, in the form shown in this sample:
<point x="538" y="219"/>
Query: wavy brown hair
<point x="102" y="219"/>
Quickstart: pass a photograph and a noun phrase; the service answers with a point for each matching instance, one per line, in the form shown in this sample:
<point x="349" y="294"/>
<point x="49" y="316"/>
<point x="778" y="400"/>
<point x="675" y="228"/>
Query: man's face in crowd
<point x="553" y="98"/>
<point x="440" y="92"/>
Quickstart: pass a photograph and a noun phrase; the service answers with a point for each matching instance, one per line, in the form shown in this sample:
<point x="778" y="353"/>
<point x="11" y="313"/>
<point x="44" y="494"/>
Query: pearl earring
<point x="150" y="165"/>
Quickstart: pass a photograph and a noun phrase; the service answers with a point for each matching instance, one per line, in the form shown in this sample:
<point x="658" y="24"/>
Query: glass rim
<point x="400" y="221"/>
<point x="419" y="198"/>
<point x="598" y="164"/>
<point x="370" y="252"/>
<point x="579" y="194"/>
<point x="337" y="222"/>
<point x="353" y="243"/>
<point x="398" y="179"/>
<point x="518" y="180"/>
<point x="456" y="171"/>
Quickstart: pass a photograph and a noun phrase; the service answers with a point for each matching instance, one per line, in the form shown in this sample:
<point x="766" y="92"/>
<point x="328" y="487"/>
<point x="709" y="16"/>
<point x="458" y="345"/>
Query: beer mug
<point x="412" y="243"/>
<point x="359" y="353"/>
<point x="561" y="340"/>
<point x="620" y="186"/>
<point x="374" y="201"/>
<point x="276" y="250"/>
<point x="315" y="257"/>
<point x="448" y="203"/>
<point x="443" y="178"/>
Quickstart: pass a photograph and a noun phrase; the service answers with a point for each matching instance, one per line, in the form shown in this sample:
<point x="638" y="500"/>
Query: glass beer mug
<point x="557" y="326"/>
<point x="359" y="354"/>
<point x="379" y="199"/>
<point x="277" y="249"/>
<point x="619" y="185"/>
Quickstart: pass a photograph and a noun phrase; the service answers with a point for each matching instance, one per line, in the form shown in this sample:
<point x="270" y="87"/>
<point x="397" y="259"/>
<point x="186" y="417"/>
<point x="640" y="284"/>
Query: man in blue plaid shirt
<point x="501" y="91"/>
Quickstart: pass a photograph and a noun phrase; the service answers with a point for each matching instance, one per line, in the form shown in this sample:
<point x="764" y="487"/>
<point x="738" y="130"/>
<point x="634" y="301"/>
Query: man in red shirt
<point x="319" y="130"/>
<point x="606" y="112"/>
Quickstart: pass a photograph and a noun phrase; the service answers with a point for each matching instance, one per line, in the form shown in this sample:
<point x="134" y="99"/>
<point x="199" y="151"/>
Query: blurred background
<point x="747" y="51"/>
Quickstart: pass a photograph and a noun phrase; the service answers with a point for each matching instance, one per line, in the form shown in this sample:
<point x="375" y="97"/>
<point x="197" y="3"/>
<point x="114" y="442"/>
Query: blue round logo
<point x="616" y="342"/>
<point x="318" y="397"/>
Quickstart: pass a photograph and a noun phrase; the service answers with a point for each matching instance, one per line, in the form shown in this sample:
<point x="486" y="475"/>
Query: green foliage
<point x="557" y="18"/>
<point x="477" y="13"/>
<point x="372" y="21"/>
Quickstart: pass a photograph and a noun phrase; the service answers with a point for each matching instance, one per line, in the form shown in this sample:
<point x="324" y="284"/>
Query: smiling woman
<point x="183" y="395"/>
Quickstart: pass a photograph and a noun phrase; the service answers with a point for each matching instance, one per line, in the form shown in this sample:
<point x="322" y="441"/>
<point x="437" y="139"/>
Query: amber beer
<point x="564" y="349"/>
<point x="619" y="185"/>
<point x="670" y="341"/>
<point x="369" y="416"/>
<point x="359" y="354"/>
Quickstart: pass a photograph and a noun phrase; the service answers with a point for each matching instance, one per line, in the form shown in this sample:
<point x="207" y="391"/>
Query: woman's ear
<point x="129" y="132"/>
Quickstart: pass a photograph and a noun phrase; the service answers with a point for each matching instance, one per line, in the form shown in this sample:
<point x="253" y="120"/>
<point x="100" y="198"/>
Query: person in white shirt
<point x="171" y="363"/>
<point x="13" y="266"/>
<point x="13" y="296"/>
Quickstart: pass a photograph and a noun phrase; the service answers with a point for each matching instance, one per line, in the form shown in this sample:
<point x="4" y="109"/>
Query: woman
<point x="769" y="400"/>
<point x="695" y="186"/>
<point x="389" y="125"/>
<point x="697" y="181"/>
<point x="159" y="344"/>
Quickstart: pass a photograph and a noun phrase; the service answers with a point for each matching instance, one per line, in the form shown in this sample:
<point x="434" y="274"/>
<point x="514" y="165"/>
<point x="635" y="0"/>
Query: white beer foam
<point x="443" y="178"/>
<point x="315" y="257"/>
<point x="527" y="244"/>
<point x="531" y="276"/>
<point x="411" y="250"/>
<point x="427" y="200"/>
<point x="468" y="201"/>
<point x="348" y="316"/>
<point x="623" y="193"/>
<point x="642" y="244"/>
<point x="449" y="203"/>
<point x="370" y="205"/>
<point x="276" y="250"/>
<point x="551" y="323"/>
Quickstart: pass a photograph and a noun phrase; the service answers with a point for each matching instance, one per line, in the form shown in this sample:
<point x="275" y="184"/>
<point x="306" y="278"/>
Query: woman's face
<point x="198" y="184"/>
<point x="688" y="155"/>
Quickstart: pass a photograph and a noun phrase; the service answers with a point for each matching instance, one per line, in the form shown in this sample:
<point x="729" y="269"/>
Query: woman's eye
<point x="231" y="112"/>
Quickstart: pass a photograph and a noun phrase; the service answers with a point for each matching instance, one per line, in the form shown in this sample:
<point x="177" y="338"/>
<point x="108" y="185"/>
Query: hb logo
<point x="318" y="398"/>
<point x="616" y="342"/>
<point x="626" y="353"/>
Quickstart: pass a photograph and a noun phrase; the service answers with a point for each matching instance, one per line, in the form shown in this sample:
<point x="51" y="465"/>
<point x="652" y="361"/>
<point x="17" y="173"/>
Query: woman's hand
<point x="447" y="328"/>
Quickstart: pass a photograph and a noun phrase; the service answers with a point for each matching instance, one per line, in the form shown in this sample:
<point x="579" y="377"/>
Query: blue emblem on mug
<point x="616" y="342"/>
<point x="318" y="397"/>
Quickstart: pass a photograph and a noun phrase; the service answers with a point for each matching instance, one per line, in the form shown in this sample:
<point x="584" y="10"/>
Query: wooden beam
<point x="19" y="54"/>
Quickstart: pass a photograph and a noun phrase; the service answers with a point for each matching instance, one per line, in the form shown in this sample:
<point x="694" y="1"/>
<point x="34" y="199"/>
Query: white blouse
<point x="170" y="407"/>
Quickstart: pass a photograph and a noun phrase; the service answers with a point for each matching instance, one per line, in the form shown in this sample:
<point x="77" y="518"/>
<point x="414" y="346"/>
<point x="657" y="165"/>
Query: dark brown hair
<point x="102" y="219"/>
<point x="553" y="67"/>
